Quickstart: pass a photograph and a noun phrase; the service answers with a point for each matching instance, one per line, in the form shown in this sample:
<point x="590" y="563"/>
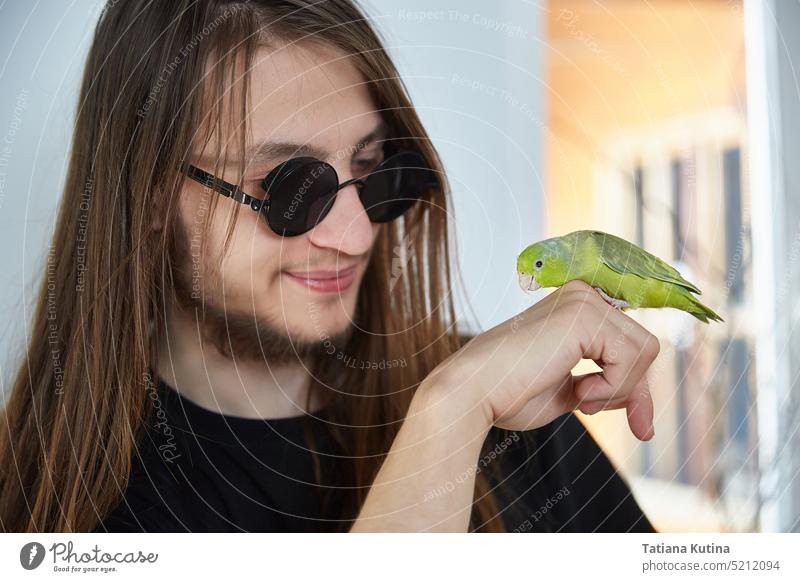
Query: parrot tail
<point x="700" y="311"/>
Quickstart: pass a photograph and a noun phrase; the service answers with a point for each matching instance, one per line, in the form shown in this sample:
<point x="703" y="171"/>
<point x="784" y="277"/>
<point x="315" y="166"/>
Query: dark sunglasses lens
<point x="396" y="185"/>
<point x="301" y="193"/>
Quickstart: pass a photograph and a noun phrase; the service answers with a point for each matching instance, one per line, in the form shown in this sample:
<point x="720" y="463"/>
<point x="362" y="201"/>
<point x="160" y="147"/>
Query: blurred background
<point x="672" y="123"/>
<point x="648" y="138"/>
<point x="647" y="114"/>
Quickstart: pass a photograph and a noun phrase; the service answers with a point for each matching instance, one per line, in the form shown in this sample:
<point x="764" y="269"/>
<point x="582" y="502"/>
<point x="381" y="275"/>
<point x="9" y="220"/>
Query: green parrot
<point x="624" y="274"/>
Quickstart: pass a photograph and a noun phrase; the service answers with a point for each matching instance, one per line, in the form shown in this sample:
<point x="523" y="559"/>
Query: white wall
<point x="475" y="73"/>
<point x="42" y="49"/>
<point x="474" y="70"/>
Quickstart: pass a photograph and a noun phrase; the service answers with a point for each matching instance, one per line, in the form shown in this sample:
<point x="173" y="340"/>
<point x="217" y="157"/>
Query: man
<point x="237" y="354"/>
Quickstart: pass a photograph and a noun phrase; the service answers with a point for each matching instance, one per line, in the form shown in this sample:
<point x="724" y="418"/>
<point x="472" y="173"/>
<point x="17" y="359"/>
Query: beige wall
<point x="642" y="81"/>
<point x="623" y="64"/>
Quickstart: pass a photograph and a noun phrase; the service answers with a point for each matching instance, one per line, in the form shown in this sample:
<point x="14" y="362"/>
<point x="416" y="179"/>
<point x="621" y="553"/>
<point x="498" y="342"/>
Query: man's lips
<point x="323" y="274"/>
<point x="324" y="281"/>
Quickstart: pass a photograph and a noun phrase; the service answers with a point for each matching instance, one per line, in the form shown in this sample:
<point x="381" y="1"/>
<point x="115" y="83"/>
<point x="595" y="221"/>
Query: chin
<point x="309" y="317"/>
<point x="318" y="322"/>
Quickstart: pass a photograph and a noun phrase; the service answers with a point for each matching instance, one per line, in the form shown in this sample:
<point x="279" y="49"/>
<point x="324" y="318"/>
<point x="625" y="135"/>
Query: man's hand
<point x="520" y="370"/>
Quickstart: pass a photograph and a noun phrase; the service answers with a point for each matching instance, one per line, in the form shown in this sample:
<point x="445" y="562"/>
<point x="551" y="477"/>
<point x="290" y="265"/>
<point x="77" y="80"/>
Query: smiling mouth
<point x="322" y="275"/>
<point x="325" y="281"/>
<point x="527" y="282"/>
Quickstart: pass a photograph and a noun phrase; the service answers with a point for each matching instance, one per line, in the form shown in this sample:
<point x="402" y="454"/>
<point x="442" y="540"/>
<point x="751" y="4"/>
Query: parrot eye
<point x="538" y="264"/>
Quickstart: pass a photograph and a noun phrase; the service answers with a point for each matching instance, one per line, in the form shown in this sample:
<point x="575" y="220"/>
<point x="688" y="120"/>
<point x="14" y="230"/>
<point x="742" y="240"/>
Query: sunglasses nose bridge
<point x="344" y="225"/>
<point x="354" y="181"/>
<point x="359" y="183"/>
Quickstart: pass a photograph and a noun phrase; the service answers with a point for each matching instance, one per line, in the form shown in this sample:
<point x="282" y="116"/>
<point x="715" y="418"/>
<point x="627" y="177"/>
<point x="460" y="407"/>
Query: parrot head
<point x="542" y="264"/>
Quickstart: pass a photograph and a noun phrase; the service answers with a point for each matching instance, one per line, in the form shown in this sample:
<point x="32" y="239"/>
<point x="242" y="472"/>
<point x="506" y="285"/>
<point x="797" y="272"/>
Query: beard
<point x="242" y="336"/>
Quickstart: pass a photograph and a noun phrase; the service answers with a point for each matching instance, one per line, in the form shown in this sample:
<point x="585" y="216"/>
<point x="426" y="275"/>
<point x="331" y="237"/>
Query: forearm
<point x="427" y="481"/>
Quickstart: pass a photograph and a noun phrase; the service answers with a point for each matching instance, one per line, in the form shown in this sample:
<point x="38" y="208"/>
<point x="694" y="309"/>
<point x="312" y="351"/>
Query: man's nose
<point x="346" y="227"/>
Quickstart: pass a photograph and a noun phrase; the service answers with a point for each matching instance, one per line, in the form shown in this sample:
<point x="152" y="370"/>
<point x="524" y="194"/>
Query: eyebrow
<point x="266" y="151"/>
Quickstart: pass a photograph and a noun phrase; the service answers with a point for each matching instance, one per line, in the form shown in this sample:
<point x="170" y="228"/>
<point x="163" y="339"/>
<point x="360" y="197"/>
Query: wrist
<point x="451" y="401"/>
<point x="427" y="482"/>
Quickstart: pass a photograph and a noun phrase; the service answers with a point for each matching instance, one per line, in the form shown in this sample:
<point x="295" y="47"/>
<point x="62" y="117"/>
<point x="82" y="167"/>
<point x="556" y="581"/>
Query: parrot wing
<point x="624" y="257"/>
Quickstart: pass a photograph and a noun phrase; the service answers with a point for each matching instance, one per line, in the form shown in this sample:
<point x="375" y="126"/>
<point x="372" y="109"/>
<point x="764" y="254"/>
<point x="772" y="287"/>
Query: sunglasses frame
<point x="262" y="205"/>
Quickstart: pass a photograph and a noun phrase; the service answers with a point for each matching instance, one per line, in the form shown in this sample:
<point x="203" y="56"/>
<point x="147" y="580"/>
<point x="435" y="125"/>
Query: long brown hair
<point x="78" y="403"/>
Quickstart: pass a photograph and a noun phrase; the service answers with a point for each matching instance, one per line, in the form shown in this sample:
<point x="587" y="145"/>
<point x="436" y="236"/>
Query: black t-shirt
<point x="200" y="471"/>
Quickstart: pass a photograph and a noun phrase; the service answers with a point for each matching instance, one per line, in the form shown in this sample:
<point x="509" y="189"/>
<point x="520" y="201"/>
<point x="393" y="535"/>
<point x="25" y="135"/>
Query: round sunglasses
<point x="301" y="191"/>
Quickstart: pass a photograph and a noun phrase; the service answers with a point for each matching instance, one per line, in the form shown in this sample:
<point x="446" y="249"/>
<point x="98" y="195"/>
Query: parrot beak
<point x="527" y="282"/>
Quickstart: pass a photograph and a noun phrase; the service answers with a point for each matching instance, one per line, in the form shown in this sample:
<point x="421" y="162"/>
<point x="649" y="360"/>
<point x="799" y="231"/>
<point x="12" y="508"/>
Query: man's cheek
<point x="240" y="279"/>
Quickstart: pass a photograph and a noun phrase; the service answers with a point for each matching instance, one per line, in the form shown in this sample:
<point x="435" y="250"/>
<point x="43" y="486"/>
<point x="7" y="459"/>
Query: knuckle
<point x="573" y="310"/>
<point x="651" y="346"/>
<point x="576" y="285"/>
<point x="603" y="308"/>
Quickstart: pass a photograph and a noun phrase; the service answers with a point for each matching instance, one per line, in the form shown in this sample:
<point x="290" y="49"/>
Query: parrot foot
<point x="615" y="303"/>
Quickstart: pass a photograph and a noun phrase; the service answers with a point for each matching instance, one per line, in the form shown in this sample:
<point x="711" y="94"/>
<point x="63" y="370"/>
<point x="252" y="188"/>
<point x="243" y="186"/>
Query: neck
<point x="245" y="388"/>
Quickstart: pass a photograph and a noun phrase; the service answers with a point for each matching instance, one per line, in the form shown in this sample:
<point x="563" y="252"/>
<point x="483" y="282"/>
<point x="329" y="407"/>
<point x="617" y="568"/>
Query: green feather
<point x="624" y="257"/>
<point x="621" y="269"/>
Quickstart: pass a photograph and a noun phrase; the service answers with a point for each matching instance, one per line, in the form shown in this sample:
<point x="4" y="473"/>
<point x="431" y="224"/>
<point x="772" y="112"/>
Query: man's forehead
<point x="309" y="94"/>
<point x="298" y="77"/>
<point x="308" y="100"/>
